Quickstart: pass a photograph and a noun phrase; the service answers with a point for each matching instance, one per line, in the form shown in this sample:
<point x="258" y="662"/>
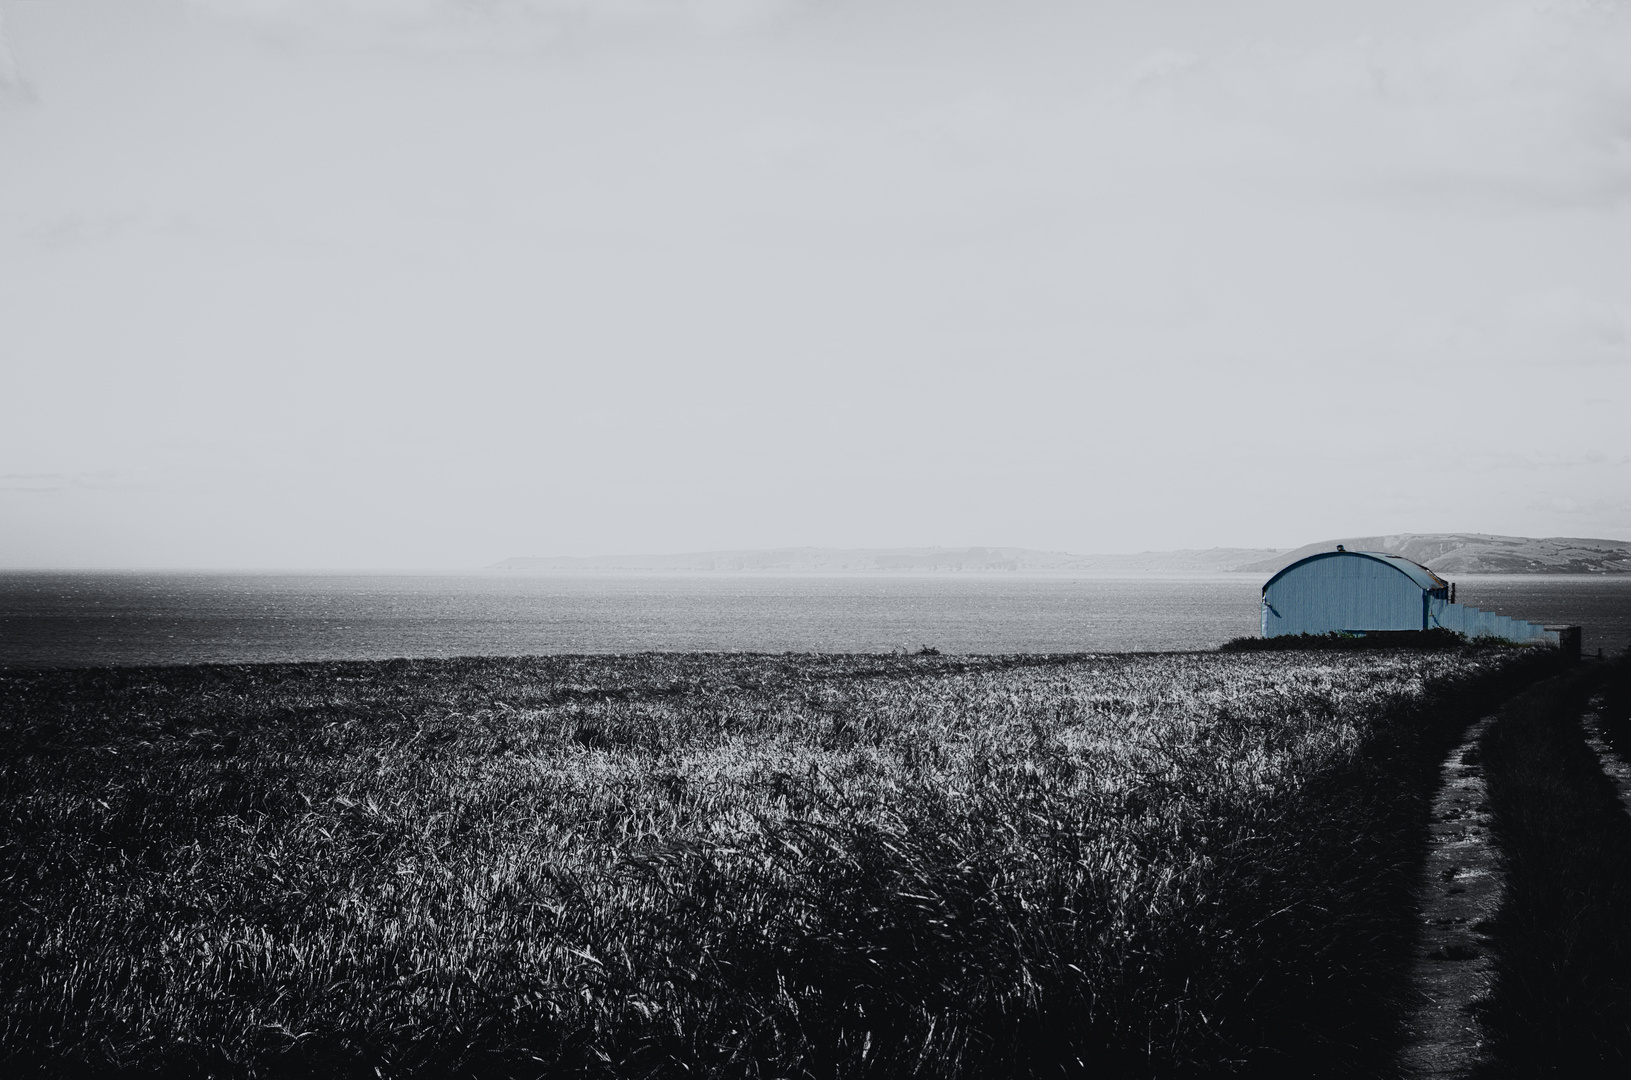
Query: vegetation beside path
<point x="723" y="865"/>
<point x="1561" y="1004"/>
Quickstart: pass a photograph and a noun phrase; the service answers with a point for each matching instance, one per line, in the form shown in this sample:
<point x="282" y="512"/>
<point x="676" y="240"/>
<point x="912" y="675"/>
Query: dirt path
<point x="1459" y="889"/>
<point x="1615" y="766"/>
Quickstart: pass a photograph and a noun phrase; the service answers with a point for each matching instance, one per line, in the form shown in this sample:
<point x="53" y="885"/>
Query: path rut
<point x="1459" y="889"/>
<point x="1613" y="765"/>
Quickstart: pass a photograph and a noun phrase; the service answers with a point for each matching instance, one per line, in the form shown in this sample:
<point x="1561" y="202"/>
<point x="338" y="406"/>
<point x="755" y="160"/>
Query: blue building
<point x="1358" y="591"/>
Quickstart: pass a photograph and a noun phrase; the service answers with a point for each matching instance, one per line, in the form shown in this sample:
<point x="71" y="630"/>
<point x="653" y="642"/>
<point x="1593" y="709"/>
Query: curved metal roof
<point x="1423" y="577"/>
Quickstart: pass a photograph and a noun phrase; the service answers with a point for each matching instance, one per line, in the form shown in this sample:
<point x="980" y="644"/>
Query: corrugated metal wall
<point x="1327" y="594"/>
<point x="1351" y="591"/>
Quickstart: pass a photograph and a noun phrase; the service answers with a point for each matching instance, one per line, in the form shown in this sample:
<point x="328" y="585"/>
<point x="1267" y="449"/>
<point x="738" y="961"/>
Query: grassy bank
<point x="1562" y="1000"/>
<point x="732" y="865"/>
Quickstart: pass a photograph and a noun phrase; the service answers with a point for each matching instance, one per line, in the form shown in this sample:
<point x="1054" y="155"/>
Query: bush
<point x="1437" y="639"/>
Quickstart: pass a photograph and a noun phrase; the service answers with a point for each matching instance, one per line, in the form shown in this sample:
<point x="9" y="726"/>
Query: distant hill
<point x="857" y="560"/>
<point x="1444" y="553"/>
<point x="1476" y="553"/>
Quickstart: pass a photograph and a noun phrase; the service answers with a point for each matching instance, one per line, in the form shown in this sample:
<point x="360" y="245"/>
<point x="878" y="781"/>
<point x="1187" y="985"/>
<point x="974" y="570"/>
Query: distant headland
<point x="1444" y="553"/>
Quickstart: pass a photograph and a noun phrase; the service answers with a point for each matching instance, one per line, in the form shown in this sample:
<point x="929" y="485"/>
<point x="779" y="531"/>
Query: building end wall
<point x="1568" y="640"/>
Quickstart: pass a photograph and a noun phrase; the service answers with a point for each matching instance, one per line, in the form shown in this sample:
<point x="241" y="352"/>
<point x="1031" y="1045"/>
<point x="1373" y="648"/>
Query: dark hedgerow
<point x="722" y="865"/>
<point x="1561" y="1004"/>
<point x="1437" y="638"/>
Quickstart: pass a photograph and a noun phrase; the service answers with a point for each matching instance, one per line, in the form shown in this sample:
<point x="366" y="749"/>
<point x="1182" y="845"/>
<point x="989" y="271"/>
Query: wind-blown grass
<point x="727" y="865"/>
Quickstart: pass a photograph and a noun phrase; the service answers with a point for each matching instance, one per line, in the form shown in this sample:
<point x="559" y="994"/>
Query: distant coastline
<point x="804" y="560"/>
<point x="1444" y="553"/>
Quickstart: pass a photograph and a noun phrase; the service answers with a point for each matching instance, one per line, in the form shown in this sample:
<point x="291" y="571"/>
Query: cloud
<point x="1519" y="105"/>
<point x="55" y="483"/>
<point x="1594" y="327"/>
<point x="11" y="75"/>
<point x="506" y="26"/>
<point x="39" y="483"/>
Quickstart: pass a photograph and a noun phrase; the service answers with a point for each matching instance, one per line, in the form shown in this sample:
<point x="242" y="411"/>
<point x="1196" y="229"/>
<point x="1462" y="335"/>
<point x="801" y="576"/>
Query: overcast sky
<point x="418" y="283"/>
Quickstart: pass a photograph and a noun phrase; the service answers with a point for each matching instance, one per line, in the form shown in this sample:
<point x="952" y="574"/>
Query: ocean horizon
<point x="81" y="619"/>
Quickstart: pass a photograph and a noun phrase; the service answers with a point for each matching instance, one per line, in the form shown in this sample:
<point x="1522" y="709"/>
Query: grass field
<point x="731" y="865"/>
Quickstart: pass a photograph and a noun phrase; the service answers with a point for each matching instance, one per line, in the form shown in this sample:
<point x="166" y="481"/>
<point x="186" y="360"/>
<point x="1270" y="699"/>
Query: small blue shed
<point x="1345" y="591"/>
<point x="1350" y="591"/>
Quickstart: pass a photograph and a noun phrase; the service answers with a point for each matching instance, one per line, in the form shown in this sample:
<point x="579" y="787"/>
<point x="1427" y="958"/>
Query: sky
<point x="432" y="283"/>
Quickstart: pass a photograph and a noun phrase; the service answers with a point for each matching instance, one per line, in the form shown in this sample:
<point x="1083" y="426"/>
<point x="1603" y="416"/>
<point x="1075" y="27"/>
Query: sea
<point x="53" y="619"/>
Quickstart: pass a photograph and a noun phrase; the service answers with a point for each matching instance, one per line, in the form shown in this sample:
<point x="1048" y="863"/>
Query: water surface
<point x="77" y="619"/>
<point x="131" y="618"/>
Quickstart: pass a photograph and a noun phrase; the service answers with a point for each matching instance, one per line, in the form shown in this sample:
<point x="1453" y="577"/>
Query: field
<point x="725" y="865"/>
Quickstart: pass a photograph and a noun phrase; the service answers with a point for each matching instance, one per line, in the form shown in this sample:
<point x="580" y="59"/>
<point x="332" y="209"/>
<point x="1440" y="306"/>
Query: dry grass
<point x="728" y="865"/>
